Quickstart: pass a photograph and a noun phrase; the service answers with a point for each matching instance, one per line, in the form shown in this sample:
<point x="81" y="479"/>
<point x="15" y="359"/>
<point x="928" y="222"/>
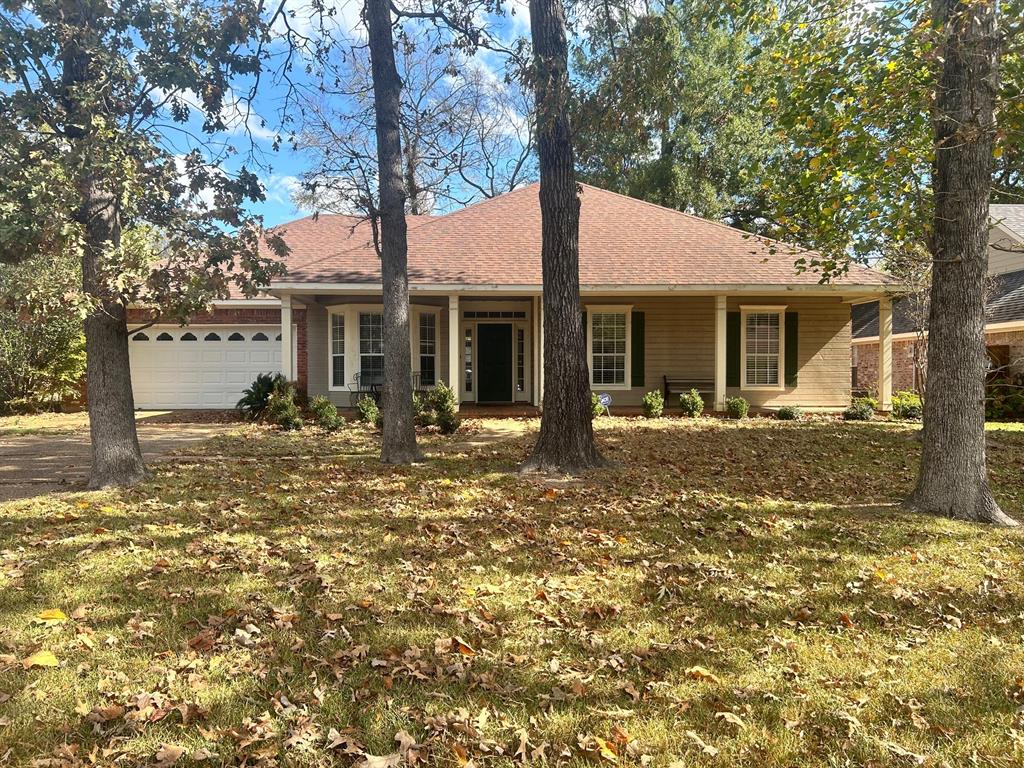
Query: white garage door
<point x="200" y="366"/>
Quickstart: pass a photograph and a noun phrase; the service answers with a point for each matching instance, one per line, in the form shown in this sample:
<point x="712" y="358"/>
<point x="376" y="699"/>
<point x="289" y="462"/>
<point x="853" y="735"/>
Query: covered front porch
<point x="773" y="350"/>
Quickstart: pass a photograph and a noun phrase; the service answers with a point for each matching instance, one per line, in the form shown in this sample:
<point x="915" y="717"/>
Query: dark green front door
<point x="494" y="362"/>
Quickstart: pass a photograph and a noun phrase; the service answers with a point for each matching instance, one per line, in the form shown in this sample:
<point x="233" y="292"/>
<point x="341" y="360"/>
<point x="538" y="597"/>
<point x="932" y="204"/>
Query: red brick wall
<point x="865" y="358"/>
<point x="251" y="316"/>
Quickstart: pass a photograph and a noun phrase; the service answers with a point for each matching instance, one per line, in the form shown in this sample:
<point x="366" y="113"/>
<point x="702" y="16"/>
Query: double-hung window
<point x="337" y="350"/>
<point x="428" y="349"/>
<point x="371" y="347"/>
<point x="608" y="339"/>
<point x="762" y="347"/>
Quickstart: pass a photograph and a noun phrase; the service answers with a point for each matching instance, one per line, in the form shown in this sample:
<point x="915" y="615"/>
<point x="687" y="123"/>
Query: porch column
<point x="720" y="352"/>
<point x="286" y="338"/>
<point x="454" y="347"/>
<point x="540" y="348"/>
<point x="885" y="353"/>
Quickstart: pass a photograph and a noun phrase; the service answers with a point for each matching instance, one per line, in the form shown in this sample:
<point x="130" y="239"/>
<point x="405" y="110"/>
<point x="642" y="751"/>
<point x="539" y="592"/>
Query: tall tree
<point x="399" y="441"/>
<point x="669" y="110"/>
<point x="86" y="169"/>
<point x="466" y="134"/>
<point x="566" y="441"/>
<point x="953" y="480"/>
<point x="890" y="108"/>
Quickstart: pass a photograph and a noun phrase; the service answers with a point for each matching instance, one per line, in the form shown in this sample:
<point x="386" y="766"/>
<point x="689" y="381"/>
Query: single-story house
<point x="1004" y="328"/>
<point x="669" y="301"/>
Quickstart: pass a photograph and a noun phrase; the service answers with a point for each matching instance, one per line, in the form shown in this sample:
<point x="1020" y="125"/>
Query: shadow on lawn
<point x="702" y="547"/>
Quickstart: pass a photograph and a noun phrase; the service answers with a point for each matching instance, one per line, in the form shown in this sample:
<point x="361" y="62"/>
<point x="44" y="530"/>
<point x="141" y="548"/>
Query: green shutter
<point x="792" y="348"/>
<point x="732" y="349"/>
<point x="638" y="360"/>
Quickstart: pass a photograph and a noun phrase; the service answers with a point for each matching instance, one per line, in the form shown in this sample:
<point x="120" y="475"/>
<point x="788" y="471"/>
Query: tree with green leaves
<point x="668" y="109"/>
<point x="94" y="92"/>
<point x="901" y="121"/>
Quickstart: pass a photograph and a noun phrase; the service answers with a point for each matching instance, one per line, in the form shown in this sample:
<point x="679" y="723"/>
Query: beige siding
<point x="823" y="379"/>
<point x="680" y="343"/>
<point x="1005" y="252"/>
<point x="316" y="345"/>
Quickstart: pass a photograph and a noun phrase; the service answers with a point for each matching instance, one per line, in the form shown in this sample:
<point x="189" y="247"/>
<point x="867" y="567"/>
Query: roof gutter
<point x="864" y="292"/>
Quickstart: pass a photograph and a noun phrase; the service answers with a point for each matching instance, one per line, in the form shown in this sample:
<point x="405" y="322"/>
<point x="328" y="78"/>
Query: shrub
<point x="326" y="414"/>
<point x="869" y="402"/>
<point x="256" y="398"/>
<point x="422" y="410"/>
<point x="860" y="410"/>
<point x="445" y="407"/>
<point x="596" y="409"/>
<point x="737" y="407"/>
<point x="907" y="405"/>
<point x="367" y="410"/>
<point x="42" y="346"/>
<point x="654" y="404"/>
<point x="1004" y="399"/>
<point x="282" y="409"/>
<point x="789" y="413"/>
<point x="692" y="403"/>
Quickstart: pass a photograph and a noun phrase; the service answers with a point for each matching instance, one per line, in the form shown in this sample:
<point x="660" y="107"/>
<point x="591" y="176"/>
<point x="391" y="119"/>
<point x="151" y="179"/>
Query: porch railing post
<point x="885" y="354"/>
<point x="720" y="352"/>
<point x="454" y="347"/>
<point x="286" y="338"/>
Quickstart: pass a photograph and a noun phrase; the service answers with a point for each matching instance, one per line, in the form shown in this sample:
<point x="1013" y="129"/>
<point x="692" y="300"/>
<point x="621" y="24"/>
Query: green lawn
<point x="726" y="594"/>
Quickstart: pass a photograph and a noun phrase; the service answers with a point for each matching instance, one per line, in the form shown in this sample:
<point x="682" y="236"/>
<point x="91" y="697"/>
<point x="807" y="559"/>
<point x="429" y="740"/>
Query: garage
<point x="200" y="366"/>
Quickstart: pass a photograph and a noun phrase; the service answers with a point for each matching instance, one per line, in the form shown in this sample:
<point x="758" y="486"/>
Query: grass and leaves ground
<point x="726" y="594"/>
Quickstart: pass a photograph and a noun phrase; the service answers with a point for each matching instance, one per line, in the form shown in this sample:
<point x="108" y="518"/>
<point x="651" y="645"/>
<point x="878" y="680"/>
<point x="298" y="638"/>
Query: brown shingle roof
<point x="623" y="241"/>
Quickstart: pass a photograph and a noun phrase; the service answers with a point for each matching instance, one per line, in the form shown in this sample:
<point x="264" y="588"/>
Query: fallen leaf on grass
<point x="703" y="673"/>
<point x="706" y="748"/>
<point x="901" y="751"/>
<point x="51" y="617"/>
<point x="379" y="761"/>
<point x="169" y="754"/>
<point x="730" y="717"/>
<point x="40" y="659"/>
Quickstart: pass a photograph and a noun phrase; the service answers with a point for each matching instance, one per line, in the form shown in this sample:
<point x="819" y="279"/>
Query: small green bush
<point x="282" y="409"/>
<point x="692" y="403"/>
<point x="325" y="413"/>
<point x="654" y="404"/>
<point x="737" y="407"/>
<point x="789" y="413"/>
<point x="441" y="400"/>
<point x="1004" y="399"/>
<point x="860" y="410"/>
<point x="256" y="398"/>
<point x="869" y="402"/>
<point x="596" y="409"/>
<point x="422" y="410"/>
<point x="907" y="405"/>
<point x="367" y="410"/>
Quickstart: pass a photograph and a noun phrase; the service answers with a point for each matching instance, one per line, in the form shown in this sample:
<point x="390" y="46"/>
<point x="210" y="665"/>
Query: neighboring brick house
<point x="668" y="301"/>
<point x="1004" y="338"/>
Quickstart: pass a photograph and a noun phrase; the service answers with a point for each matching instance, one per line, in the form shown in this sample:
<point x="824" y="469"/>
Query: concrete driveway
<point x="33" y="465"/>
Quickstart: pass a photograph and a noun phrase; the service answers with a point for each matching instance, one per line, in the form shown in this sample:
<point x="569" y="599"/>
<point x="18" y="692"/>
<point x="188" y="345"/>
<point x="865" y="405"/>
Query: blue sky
<point x="254" y="129"/>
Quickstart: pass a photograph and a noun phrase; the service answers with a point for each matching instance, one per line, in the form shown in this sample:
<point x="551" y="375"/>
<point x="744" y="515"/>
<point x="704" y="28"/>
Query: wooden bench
<point x="676" y="386"/>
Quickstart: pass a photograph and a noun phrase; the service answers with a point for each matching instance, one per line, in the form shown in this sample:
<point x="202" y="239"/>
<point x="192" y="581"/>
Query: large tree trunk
<point x="116" y="457"/>
<point x="566" y="441"/>
<point x="399" y="443"/>
<point x="953" y="480"/>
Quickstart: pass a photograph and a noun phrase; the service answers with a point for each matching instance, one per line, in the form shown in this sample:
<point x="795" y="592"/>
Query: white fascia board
<point x="872" y="291"/>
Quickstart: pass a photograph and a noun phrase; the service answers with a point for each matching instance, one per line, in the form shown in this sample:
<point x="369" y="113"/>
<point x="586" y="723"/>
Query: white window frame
<point x="331" y="314"/>
<point x="414" y="338"/>
<point x="772" y="309"/>
<point x="627" y="310"/>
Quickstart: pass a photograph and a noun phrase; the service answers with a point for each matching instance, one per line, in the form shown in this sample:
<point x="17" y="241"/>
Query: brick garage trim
<point x="250" y="316"/>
